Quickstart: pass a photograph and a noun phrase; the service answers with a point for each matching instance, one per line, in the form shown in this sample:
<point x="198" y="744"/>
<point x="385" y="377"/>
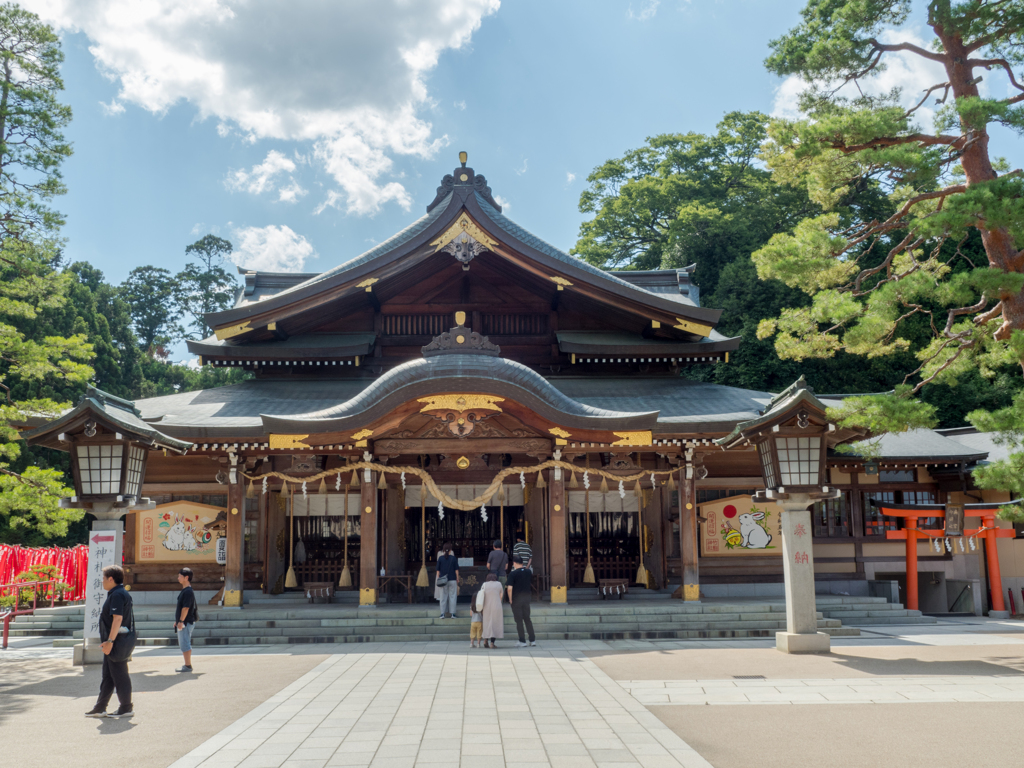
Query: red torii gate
<point x="912" y="512"/>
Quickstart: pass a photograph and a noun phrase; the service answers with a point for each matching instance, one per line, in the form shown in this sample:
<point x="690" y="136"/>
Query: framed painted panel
<point x="179" y="532"/>
<point x="737" y="527"/>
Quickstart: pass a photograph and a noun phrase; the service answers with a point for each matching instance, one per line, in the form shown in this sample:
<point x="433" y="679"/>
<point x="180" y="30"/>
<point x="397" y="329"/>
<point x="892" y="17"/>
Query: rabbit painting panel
<point x="189" y="541"/>
<point x="754" y="535"/>
<point x="175" y="538"/>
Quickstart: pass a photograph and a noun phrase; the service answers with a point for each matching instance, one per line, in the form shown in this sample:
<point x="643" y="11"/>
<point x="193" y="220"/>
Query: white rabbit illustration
<point x="175" y="538"/>
<point x="754" y="536"/>
<point x="189" y="542"/>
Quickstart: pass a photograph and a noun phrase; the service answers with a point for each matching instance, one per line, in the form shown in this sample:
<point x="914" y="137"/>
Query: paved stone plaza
<point x="569" y="704"/>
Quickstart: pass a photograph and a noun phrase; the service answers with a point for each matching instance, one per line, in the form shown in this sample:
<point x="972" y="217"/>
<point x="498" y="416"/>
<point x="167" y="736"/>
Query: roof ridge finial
<point x="463" y="157"/>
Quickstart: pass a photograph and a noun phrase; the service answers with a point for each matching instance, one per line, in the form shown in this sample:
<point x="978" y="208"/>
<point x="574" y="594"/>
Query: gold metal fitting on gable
<point x="462" y="462"/>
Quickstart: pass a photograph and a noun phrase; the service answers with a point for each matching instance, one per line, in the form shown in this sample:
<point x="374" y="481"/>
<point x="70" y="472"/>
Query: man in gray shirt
<point x="497" y="563"/>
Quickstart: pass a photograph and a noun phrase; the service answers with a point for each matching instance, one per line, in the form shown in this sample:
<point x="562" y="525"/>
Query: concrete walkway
<point x="421" y="706"/>
<point x="574" y="704"/>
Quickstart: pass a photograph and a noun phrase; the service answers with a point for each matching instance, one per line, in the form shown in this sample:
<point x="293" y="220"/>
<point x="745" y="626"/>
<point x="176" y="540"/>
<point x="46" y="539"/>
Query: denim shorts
<point x="185" y="637"/>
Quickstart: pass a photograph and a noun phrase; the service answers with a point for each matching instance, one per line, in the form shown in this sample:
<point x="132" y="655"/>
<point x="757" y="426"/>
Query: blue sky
<point x="304" y="132"/>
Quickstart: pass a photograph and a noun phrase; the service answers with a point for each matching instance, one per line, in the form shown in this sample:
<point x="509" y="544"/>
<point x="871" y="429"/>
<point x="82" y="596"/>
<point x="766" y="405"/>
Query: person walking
<point x="497" y="562"/>
<point x="524" y="551"/>
<point x="494" y="617"/>
<point x="116" y="618"/>
<point x="447" y="580"/>
<point x="185" y="616"/>
<point x="520" y="586"/>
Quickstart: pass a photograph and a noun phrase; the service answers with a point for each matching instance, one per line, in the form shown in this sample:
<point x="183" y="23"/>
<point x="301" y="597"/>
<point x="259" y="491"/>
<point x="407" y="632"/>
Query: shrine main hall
<point x="464" y="381"/>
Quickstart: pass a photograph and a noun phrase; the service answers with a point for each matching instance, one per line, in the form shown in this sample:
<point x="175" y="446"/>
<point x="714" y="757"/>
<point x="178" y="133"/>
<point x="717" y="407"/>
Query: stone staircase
<point x="869" y="611"/>
<point x="288" y="619"/>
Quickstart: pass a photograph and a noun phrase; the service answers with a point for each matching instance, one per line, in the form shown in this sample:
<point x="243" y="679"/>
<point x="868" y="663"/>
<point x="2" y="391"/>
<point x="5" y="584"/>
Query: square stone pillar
<point x="801" y="635"/>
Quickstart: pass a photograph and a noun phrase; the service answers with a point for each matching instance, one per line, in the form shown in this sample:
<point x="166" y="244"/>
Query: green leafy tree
<point x="149" y="292"/>
<point x="687" y="198"/>
<point x="205" y="286"/>
<point x="35" y="362"/>
<point x="909" y="281"/>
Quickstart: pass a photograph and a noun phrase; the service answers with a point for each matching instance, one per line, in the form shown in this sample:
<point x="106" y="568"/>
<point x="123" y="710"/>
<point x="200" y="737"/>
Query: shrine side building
<point x="463" y="346"/>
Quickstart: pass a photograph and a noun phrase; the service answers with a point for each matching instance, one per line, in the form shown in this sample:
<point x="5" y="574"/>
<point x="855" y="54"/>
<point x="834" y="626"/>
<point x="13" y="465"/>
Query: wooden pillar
<point x="235" y="568"/>
<point x="367" y="539"/>
<point x="652" y="519"/>
<point x="995" y="579"/>
<point x="911" y="526"/>
<point x="394" y="517"/>
<point x="556" y="534"/>
<point x="533" y="513"/>
<point x="688" y="533"/>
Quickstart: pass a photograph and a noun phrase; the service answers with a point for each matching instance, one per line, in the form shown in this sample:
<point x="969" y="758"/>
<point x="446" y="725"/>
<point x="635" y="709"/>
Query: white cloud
<point x="261" y="178"/>
<point x="350" y="78"/>
<point x="291" y="193"/>
<point x="461" y="105"/>
<point x="273" y="249"/>
<point x="570" y="177"/>
<point x="521" y="171"/>
<point x="905" y="70"/>
<point x="112" y="109"/>
<point x="646" y="12"/>
<point x="505" y="204"/>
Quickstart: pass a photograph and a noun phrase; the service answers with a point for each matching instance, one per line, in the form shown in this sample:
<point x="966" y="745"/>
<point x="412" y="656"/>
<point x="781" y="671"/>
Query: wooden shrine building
<point x="454" y="358"/>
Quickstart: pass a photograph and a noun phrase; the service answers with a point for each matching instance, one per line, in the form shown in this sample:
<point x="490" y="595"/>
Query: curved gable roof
<point x="443" y="213"/>
<point x="460" y="372"/>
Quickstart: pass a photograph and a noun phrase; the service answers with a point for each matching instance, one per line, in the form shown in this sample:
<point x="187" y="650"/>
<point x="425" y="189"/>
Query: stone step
<point x="890" y="621"/>
<point x="509" y="637"/>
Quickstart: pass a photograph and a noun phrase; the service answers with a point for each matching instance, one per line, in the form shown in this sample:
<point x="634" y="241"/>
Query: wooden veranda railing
<point x="326" y="570"/>
<point x="604" y="568"/>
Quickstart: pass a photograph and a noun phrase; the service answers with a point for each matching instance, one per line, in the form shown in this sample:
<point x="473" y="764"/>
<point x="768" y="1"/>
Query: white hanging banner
<point x="513" y="495"/>
<point x="330" y="505"/>
<point x="602" y="502"/>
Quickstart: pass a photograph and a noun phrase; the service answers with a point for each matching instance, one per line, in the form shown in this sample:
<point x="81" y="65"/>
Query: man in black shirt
<point x="520" y="583"/>
<point x="115" y="618"/>
<point x="185" y="617"/>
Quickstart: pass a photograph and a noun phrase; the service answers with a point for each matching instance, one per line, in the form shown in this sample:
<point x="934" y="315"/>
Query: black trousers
<point x="521" y="613"/>
<point x="115" y="677"/>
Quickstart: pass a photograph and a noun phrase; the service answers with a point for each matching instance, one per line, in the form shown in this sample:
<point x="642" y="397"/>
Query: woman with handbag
<point x="117" y="625"/>
<point x="447" y="582"/>
<point x="494" y="616"/>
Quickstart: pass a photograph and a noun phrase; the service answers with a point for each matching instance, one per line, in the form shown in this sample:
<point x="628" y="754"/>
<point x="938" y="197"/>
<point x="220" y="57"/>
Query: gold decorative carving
<point x="460" y="339"/>
<point x="232" y="330"/>
<point x="368" y="284"/>
<point x="559" y="432"/>
<point x="460" y="318"/>
<point x="634" y="438"/>
<point x="691" y="326"/>
<point x="288" y="442"/>
<point x="460" y="403"/>
<point x="466" y="225"/>
<point x="561" y="282"/>
<point x="362" y="433"/>
<point x="462" y="462"/>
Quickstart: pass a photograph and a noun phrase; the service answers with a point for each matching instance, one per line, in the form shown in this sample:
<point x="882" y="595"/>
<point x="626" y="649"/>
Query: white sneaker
<point x="520" y="645"/>
<point x="533" y="643"/>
